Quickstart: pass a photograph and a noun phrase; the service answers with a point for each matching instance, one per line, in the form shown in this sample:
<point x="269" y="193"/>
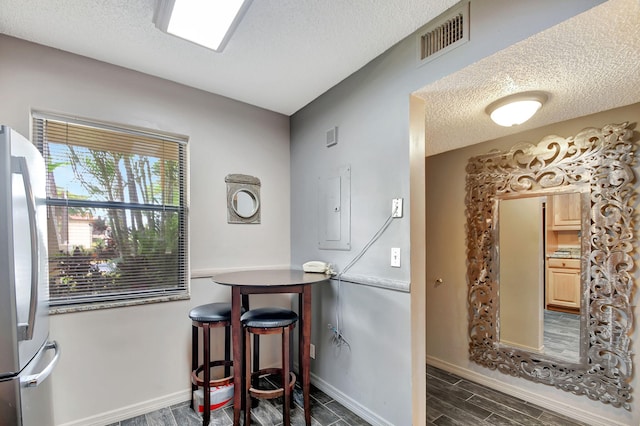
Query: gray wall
<point x="117" y="363"/>
<point x="371" y="110"/>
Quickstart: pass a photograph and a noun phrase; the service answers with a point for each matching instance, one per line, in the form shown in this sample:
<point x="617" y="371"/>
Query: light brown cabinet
<point x="564" y="211"/>
<point x="563" y="284"/>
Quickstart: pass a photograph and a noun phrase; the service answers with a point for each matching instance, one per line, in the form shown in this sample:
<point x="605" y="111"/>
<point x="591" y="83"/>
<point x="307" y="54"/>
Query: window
<point x="117" y="215"/>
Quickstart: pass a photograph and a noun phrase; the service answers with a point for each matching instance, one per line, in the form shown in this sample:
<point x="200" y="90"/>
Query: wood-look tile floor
<point x="562" y="335"/>
<point x="452" y="400"/>
<point x="325" y="411"/>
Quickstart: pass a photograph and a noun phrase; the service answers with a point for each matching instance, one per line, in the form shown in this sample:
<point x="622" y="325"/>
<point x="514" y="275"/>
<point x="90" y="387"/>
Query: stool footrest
<point x="273" y="393"/>
<point x="213" y="382"/>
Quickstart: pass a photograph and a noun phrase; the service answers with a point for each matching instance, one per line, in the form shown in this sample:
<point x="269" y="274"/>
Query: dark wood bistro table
<point x="271" y="281"/>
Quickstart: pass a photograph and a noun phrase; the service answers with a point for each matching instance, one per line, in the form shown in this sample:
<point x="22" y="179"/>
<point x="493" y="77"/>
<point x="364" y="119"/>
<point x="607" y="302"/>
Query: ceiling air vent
<point x="448" y="31"/>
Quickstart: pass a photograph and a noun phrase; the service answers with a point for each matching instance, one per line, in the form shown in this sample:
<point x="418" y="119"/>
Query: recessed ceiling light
<point x="516" y="109"/>
<point x="208" y="23"/>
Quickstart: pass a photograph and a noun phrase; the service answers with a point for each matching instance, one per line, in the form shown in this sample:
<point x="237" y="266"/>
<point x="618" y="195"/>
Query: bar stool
<point x="268" y="321"/>
<point x="212" y="315"/>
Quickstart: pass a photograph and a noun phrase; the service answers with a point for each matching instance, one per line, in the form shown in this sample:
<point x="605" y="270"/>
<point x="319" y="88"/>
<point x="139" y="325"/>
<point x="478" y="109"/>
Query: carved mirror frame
<point x="602" y="159"/>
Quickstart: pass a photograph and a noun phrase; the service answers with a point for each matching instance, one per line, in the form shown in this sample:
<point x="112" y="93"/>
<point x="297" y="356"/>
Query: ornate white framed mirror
<point x="595" y="243"/>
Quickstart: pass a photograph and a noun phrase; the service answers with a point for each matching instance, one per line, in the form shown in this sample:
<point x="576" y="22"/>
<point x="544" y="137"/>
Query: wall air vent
<point x="448" y="31"/>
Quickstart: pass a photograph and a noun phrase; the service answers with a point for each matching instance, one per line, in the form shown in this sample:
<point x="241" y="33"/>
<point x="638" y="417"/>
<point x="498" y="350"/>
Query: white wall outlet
<point x="396" y="207"/>
<point x="312" y="351"/>
<point x="395" y="257"/>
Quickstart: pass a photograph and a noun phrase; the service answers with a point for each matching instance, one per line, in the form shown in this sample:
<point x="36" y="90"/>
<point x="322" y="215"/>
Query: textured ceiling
<point x="587" y="64"/>
<point x="284" y="53"/>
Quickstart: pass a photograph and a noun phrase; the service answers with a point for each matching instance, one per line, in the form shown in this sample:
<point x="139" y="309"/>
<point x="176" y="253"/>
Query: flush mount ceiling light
<point x="516" y="109"/>
<point x="208" y="23"/>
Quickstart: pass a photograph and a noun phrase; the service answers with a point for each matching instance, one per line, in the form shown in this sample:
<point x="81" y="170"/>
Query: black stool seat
<point x="212" y="312"/>
<point x="269" y="318"/>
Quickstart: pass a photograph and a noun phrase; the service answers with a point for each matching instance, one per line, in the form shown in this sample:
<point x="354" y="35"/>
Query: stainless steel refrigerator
<point x="26" y="355"/>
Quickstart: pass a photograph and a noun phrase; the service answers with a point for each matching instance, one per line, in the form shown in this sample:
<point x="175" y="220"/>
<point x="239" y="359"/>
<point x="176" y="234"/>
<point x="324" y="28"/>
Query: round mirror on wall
<point x="245" y="203"/>
<point x="243" y="199"/>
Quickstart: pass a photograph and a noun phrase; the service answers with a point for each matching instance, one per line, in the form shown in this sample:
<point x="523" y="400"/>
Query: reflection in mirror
<point x="245" y="203"/>
<point x="563" y="283"/>
<point x="521" y="275"/>
<point x="592" y="239"/>
<point x="540" y="286"/>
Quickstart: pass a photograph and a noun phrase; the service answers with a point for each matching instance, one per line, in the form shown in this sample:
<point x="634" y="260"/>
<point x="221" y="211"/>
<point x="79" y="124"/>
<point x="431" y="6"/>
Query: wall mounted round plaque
<point x="243" y="199"/>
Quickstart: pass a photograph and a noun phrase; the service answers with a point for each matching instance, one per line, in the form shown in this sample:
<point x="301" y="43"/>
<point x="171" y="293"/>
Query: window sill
<point x="115" y="304"/>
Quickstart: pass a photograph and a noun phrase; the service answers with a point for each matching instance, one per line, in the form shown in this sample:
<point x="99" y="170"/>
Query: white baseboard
<point x="144" y="407"/>
<point x="542" y="401"/>
<point x="182" y="396"/>
<point x="133" y="410"/>
<point x="349" y="403"/>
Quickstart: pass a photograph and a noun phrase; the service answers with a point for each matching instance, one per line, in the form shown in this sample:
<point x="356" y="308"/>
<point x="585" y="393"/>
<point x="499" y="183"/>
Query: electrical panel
<point x="334" y="210"/>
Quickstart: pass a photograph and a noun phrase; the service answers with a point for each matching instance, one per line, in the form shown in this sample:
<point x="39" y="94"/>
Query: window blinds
<point x="117" y="216"/>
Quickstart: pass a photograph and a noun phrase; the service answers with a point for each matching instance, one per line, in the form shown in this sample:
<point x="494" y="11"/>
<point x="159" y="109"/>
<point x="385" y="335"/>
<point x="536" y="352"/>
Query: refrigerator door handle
<point x="35" y="379"/>
<point x="19" y="166"/>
